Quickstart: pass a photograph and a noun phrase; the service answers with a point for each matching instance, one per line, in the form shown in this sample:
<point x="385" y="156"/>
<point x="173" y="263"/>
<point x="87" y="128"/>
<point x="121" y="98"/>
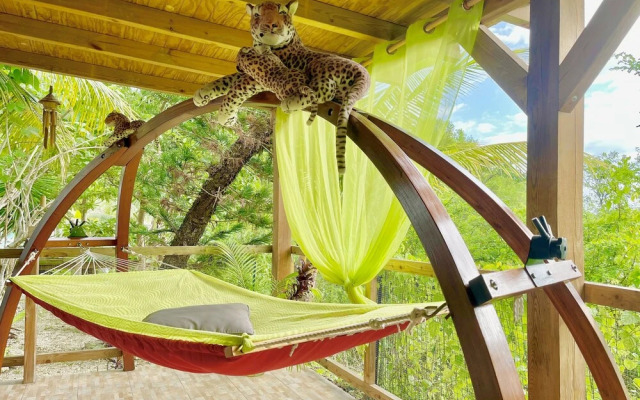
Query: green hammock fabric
<point x="122" y="300"/>
<point x="350" y="234"/>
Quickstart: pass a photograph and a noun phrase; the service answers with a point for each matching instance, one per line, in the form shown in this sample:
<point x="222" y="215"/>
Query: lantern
<point x="49" y="118"/>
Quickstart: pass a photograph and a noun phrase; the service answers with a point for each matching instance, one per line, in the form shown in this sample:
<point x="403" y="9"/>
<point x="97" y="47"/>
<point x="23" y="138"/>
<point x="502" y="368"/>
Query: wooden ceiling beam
<point x="95" y="72"/>
<point x="495" y="9"/>
<point x="346" y="22"/>
<point x="504" y="66"/>
<point x="152" y="19"/>
<point x="113" y="46"/>
<point x="595" y="46"/>
<point x="519" y="17"/>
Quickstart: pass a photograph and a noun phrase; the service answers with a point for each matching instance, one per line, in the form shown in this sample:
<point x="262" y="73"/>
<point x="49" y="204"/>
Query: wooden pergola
<point x="178" y="45"/>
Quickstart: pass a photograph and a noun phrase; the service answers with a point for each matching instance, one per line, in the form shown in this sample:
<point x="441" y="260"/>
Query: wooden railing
<point x="623" y="298"/>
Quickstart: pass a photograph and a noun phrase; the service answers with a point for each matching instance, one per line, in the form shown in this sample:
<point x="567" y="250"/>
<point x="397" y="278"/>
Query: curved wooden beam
<point x="475" y="193"/>
<point x="483" y="341"/>
<point x="43" y="230"/>
<point x="125" y="196"/>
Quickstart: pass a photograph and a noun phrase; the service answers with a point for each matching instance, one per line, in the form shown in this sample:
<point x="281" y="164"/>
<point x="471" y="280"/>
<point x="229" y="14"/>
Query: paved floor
<point x="154" y="382"/>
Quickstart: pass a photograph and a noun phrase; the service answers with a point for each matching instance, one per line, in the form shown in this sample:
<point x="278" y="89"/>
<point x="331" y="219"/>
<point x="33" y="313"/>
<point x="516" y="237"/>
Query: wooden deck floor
<point x="155" y="383"/>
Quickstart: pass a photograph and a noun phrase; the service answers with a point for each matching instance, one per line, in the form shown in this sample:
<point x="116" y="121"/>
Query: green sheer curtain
<point x="349" y="234"/>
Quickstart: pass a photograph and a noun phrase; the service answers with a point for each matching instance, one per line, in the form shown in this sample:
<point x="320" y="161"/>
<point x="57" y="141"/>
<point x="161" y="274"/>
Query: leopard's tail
<point x="357" y="91"/>
<point x="215" y="89"/>
<point x="313" y="109"/>
<point x="341" y="137"/>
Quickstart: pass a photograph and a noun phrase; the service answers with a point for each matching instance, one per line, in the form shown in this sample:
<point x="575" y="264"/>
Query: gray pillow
<point x="230" y="318"/>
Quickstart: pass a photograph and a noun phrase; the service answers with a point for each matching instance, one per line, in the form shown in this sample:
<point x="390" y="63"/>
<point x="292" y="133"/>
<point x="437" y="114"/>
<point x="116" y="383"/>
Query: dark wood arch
<point x="483" y="341"/>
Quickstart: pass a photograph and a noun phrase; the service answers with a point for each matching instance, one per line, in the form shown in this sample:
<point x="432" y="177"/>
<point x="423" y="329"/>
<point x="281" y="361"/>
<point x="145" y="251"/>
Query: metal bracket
<point x="549" y="273"/>
<point x="502" y="284"/>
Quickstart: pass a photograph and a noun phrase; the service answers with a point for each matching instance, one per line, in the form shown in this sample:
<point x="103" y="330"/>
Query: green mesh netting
<point x="121" y="300"/>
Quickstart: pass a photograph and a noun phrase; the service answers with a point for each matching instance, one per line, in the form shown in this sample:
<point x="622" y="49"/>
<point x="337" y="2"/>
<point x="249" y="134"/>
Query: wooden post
<point x="30" y="335"/>
<point x="281" y="260"/>
<point x="554" y="189"/>
<point x="125" y="195"/>
<point x="371" y="352"/>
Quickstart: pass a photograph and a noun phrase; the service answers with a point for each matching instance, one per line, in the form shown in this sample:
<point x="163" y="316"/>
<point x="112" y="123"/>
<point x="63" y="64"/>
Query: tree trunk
<point x="221" y="175"/>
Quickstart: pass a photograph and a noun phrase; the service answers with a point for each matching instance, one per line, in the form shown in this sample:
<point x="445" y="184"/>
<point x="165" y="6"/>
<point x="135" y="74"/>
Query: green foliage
<point x="233" y="263"/>
<point x="628" y="63"/>
<point x="612" y="221"/>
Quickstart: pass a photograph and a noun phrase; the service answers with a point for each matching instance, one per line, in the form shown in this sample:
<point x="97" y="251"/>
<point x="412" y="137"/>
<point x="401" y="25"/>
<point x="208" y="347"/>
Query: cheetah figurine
<point x="122" y="128"/>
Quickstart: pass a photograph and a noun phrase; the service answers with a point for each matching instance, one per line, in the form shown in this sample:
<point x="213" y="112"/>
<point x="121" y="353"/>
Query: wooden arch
<point x="482" y="338"/>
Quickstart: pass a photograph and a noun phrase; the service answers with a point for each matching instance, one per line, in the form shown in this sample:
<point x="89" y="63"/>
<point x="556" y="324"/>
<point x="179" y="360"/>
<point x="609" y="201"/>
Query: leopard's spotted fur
<point x="122" y="127"/>
<point x="289" y="85"/>
<point x="271" y="25"/>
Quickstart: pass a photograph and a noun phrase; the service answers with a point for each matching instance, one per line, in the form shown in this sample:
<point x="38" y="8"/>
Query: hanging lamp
<point x="49" y="118"/>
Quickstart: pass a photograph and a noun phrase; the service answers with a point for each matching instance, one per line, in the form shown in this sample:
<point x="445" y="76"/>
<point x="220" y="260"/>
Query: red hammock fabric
<point x="207" y="358"/>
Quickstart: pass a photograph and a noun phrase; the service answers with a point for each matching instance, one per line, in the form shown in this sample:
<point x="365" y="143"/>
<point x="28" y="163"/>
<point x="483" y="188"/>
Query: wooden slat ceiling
<point x="177" y="46"/>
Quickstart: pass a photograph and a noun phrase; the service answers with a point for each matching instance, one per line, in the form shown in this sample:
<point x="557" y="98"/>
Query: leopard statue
<point x="327" y="75"/>
<point x="289" y="85"/>
<point x="122" y="127"/>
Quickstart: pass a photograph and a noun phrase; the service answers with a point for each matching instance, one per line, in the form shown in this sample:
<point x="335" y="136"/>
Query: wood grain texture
<point x="80" y="242"/>
<point x="590" y="340"/>
<point x="495" y="9"/>
<point x="30" y="338"/>
<point x="152" y="19"/>
<point x="60" y="252"/>
<point x="503" y="66"/>
<point x="101" y="44"/>
<point x="67" y="356"/>
<point x="370" y="362"/>
<point x="554" y="189"/>
<point x="594" y="48"/>
<point x="84" y="70"/>
<point x="123" y="219"/>
<point x="371" y="390"/>
<point x="125" y="197"/>
<point x="623" y="298"/>
<point x="344" y="21"/>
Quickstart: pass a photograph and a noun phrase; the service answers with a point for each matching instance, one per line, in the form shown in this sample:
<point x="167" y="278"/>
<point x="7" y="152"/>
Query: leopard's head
<point x="271" y="23"/>
<point x="113" y="118"/>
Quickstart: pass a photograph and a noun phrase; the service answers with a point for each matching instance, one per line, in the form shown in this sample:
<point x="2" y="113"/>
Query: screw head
<point x="533" y="276"/>
<point x="548" y="272"/>
<point x="493" y="284"/>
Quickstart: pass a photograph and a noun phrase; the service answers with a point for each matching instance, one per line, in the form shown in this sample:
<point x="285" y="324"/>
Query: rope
<point x="415" y="317"/>
<point x="29" y="260"/>
<point x="90" y="262"/>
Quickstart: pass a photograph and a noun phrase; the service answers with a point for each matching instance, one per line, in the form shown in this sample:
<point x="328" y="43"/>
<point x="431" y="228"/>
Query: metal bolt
<point x="102" y="155"/>
<point x="493" y="284"/>
<point x="574" y="267"/>
<point x="533" y="276"/>
<point x="548" y="272"/>
<point x="574" y="99"/>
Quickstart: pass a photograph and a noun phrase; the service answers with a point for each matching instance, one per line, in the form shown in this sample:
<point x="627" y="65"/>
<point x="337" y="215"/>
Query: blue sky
<point x="612" y="104"/>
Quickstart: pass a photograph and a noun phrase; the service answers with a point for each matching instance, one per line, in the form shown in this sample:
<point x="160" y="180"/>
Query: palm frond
<point x="507" y="158"/>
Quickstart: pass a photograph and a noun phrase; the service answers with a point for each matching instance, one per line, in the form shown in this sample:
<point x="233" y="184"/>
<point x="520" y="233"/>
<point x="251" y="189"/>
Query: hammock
<point x="111" y="307"/>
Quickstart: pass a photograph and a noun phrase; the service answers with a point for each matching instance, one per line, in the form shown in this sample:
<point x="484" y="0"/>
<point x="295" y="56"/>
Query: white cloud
<point x="458" y="107"/>
<point x="519" y="119"/>
<point x="465" y="125"/>
<point x="611" y="115"/>
<point x="505" y="138"/>
<point x="485" y="127"/>
<point x="511" y="35"/>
